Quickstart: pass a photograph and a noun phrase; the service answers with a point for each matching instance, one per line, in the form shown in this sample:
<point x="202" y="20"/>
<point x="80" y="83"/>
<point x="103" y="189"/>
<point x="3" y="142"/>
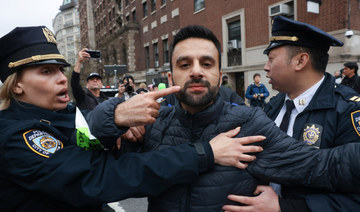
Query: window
<point x="124" y="54"/>
<point x="198" y="5"/>
<point x="166" y="50"/>
<point x="127" y="18"/>
<point x="234" y="30"/>
<point x="69" y="30"/>
<point x="147" y="57"/>
<point x="115" y="55"/>
<point x="70" y="46"/>
<point x="68" y="23"/>
<point x="126" y="2"/>
<point x="120" y="4"/>
<point x="163" y="2"/>
<point x="145" y="9"/>
<point x="68" y="16"/>
<point x="234" y="43"/>
<point x="156" y="54"/>
<point x="69" y="38"/>
<point x="71" y="53"/>
<point x="153" y="5"/>
<point x="134" y="16"/>
<point x="105" y="22"/>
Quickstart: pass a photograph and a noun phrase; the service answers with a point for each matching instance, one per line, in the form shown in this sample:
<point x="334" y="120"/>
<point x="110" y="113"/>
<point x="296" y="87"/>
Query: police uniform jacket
<point x="85" y="100"/>
<point x="283" y="159"/>
<point x="43" y="169"/>
<point x="331" y="119"/>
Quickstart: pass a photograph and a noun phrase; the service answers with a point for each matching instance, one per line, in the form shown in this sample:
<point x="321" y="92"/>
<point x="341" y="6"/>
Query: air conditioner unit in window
<point x="280" y="9"/>
<point x="232" y="44"/>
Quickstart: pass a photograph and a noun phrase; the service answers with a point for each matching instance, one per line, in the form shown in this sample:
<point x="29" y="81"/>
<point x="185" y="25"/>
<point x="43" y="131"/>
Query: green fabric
<point x="83" y="140"/>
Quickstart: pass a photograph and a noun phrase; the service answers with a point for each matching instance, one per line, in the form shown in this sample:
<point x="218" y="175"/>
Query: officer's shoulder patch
<point x="42" y="143"/>
<point x="355" y="118"/>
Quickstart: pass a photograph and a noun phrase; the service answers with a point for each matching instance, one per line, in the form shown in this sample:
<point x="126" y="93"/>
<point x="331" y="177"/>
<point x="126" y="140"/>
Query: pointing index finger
<point x="164" y="92"/>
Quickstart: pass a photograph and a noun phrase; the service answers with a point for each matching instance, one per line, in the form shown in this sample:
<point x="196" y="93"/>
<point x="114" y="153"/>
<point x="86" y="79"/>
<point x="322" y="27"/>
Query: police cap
<point x="26" y="46"/>
<point x="93" y="75"/>
<point x="287" y="31"/>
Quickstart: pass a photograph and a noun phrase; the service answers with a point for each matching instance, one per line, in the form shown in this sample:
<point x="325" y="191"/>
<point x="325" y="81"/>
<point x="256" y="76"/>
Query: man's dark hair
<point x="352" y="65"/>
<point x="255" y="75"/>
<point x="318" y="58"/>
<point x="224" y="80"/>
<point x="127" y="77"/>
<point x="195" y="31"/>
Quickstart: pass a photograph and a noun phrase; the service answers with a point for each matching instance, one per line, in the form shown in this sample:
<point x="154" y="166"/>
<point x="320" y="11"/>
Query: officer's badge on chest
<point x="42" y="142"/>
<point x="312" y="134"/>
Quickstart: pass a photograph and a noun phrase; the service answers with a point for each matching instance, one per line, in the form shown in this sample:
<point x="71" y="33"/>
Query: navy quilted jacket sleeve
<point x="290" y="162"/>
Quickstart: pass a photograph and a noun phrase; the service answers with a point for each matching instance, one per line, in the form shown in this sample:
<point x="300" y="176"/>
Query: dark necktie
<point x="285" y="122"/>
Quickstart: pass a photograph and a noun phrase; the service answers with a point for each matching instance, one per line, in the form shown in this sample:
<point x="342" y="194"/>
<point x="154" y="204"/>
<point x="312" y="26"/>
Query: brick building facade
<point x="138" y="33"/>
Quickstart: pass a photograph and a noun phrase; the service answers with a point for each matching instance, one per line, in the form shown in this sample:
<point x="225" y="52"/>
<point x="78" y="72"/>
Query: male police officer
<point x="322" y="114"/>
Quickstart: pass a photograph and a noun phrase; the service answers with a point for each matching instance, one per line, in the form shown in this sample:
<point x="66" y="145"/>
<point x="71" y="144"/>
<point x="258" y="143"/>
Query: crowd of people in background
<point x="256" y="92"/>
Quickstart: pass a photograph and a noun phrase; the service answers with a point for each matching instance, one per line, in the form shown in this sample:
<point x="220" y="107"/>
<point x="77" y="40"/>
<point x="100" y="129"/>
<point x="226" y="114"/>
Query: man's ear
<point x="18" y="89"/>
<point x="302" y="60"/>
<point x="169" y="76"/>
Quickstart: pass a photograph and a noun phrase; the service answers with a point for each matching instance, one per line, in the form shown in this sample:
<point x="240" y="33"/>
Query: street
<point x="130" y="205"/>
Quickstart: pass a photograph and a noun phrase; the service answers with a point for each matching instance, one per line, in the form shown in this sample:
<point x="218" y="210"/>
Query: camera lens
<point x="129" y="89"/>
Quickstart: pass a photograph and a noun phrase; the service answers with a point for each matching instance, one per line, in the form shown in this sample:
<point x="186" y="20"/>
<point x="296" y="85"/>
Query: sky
<point x="15" y="13"/>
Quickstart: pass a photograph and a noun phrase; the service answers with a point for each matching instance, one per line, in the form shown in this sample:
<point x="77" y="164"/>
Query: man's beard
<point x="195" y="100"/>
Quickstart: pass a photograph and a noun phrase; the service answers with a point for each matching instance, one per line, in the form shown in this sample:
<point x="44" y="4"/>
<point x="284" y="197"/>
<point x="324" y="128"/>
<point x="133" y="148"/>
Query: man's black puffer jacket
<point x="284" y="159"/>
<point x="209" y="192"/>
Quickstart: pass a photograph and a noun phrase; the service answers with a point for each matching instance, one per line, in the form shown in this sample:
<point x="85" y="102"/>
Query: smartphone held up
<point x="95" y="54"/>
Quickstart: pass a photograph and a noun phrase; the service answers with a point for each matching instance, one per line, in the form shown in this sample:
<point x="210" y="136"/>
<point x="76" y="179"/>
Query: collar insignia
<point x="312" y="134"/>
<point x="355" y="118"/>
<point x="42" y="143"/>
<point x="302" y="102"/>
